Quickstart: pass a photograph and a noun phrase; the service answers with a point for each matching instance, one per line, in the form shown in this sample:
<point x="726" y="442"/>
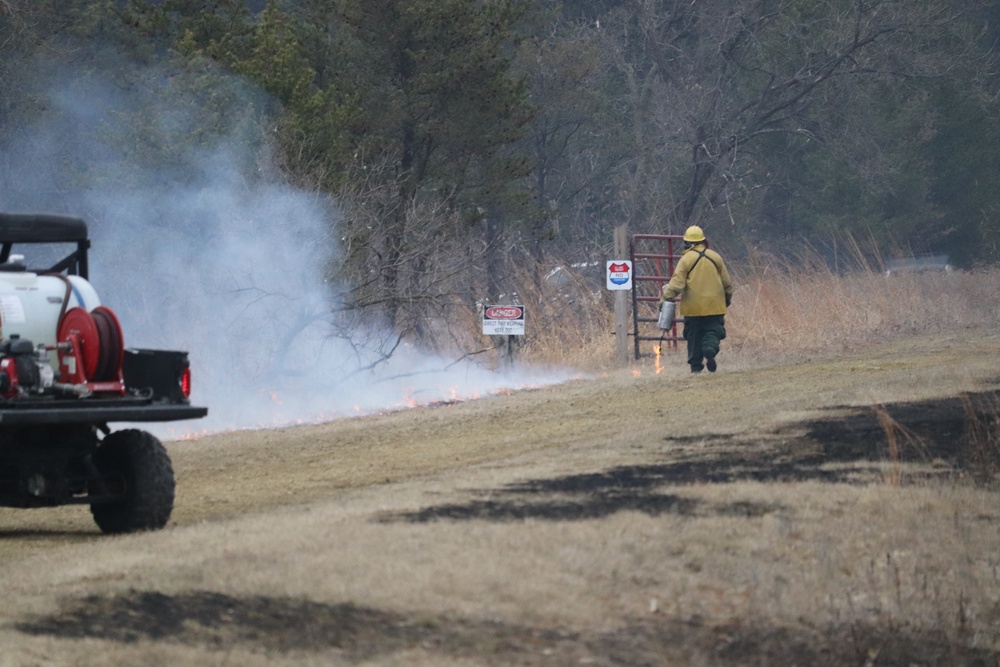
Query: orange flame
<point x="408" y="400"/>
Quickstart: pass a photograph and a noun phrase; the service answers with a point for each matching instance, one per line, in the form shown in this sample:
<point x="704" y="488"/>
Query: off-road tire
<point x="135" y="464"/>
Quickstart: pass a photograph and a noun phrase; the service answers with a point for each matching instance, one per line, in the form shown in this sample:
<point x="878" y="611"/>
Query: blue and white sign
<point x="619" y="274"/>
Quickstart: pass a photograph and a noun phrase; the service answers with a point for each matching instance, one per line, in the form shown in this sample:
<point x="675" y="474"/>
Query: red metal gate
<point x="653" y="259"/>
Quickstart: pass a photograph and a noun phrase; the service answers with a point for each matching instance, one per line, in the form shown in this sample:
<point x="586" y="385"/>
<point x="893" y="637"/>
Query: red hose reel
<point x="91" y="349"/>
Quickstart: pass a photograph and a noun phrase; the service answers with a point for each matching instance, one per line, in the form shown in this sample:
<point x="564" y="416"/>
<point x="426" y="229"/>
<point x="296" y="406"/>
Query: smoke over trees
<point x="464" y="138"/>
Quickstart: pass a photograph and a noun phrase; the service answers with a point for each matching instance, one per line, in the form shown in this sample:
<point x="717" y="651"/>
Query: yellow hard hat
<point x="694" y="234"/>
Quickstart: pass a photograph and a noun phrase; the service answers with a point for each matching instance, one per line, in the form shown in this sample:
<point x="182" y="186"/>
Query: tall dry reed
<point x="786" y="304"/>
<point x="982" y="436"/>
<point x="799" y="303"/>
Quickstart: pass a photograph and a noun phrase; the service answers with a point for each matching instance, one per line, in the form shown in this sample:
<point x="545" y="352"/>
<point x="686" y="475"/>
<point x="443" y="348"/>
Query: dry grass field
<point x="830" y="497"/>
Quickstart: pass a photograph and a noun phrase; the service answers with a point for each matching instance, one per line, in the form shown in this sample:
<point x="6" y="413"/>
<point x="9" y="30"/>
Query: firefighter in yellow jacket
<point x="702" y="281"/>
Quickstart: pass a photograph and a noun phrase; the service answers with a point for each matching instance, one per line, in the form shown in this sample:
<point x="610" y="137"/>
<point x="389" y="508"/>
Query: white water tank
<point x="31" y="305"/>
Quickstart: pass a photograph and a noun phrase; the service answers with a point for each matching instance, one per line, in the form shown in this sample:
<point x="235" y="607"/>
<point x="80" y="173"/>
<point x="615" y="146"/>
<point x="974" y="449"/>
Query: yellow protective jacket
<point x="702" y="280"/>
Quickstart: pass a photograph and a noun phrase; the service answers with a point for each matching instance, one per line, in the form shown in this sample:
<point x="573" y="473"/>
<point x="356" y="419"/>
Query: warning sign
<point x="619" y="274"/>
<point x="503" y="320"/>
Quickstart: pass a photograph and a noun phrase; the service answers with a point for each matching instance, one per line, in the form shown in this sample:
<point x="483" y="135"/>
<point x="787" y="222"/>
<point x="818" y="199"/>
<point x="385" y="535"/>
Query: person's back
<point x="702" y="281"/>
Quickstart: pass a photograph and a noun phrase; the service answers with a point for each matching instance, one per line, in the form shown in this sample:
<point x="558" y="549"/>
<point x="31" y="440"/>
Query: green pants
<point x="703" y="336"/>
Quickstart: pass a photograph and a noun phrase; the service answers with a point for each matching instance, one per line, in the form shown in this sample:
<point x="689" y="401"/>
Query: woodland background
<point x="461" y="143"/>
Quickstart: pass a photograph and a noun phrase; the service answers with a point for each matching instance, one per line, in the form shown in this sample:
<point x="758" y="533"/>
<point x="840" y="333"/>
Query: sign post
<point x="620" y="276"/>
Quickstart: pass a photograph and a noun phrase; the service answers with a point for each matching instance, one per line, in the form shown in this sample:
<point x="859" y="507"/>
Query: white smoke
<point x="213" y="253"/>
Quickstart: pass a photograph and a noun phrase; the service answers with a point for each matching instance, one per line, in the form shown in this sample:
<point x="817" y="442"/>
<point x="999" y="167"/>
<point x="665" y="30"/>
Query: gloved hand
<point x="729" y="300"/>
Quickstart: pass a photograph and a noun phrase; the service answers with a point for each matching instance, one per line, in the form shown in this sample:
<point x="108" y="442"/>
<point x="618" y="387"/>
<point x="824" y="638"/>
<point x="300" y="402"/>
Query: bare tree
<point x="574" y="139"/>
<point x="712" y="80"/>
<point x="433" y="264"/>
<point x="441" y="108"/>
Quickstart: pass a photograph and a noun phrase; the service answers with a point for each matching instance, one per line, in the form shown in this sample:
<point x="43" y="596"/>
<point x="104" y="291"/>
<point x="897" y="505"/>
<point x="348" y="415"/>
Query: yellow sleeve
<point x="678" y="281"/>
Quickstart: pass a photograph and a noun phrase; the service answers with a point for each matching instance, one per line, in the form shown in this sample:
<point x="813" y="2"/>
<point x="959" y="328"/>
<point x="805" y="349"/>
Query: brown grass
<point x="798" y="508"/>
<point x="784" y="308"/>
<point x="982" y="436"/>
<point x="794" y="306"/>
<point x="900" y="441"/>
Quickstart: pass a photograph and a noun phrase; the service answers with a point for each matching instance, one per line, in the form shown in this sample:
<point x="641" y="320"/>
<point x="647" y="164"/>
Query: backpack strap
<point x="701" y="254"/>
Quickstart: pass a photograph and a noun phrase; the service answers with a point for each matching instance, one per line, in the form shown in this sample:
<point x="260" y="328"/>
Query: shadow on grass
<point x="55" y="536"/>
<point x="957" y="437"/>
<point x="219" y="623"/>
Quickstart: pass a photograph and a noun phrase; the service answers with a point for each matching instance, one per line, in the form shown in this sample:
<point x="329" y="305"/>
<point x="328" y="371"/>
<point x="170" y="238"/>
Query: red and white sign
<point x="619" y="274"/>
<point x="503" y="320"/>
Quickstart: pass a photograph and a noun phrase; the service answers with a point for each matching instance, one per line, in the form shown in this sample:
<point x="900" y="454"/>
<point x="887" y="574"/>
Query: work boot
<point x="710" y="361"/>
<point x="696" y="369"/>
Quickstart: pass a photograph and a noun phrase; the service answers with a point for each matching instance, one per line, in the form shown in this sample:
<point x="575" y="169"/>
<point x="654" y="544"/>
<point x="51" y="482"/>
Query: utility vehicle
<point x="66" y="375"/>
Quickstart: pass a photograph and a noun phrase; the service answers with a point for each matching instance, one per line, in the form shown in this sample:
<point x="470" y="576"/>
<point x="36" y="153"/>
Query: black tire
<point x="134" y="465"/>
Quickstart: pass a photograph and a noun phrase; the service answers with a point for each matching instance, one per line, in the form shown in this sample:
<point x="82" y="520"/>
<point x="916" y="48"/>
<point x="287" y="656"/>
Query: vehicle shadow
<point x="43" y="536"/>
